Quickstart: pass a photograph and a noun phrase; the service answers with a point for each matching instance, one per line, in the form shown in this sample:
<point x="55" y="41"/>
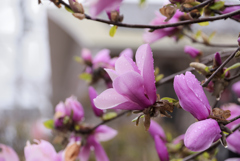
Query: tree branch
<point x="220" y="68"/>
<point x="187" y="22"/>
<point x="205" y="60"/>
<point x="209" y="44"/>
<point x="234" y="77"/>
<point x="231" y="5"/>
<point x="197" y="6"/>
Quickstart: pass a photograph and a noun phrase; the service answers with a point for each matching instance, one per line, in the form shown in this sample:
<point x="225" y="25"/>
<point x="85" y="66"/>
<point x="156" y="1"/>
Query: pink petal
<point x="131" y="85"/>
<point x="236" y="88"/>
<point x="60" y="108"/>
<point x="191" y="95"/>
<point x="128" y="52"/>
<point x="111" y="99"/>
<point x="125" y="64"/>
<point x="86" y="55"/>
<point x="233" y="142"/>
<point x="100" y="153"/>
<point x="92" y="95"/>
<point x="43" y="150"/>
<point x="144" y="59"/>
<point x="7" y="153"/>
<point x="193" y="52"/>
<point x="235" y="111"/>
<point x="178" y="139"/>
<point x="156" y="129"/>
<point x="72" y="105"/>
<point x="112" y="73"/>
<point x="200" y="135"/>
<point x="161" y="149"/>
<point x="102" y="56"/>
<point x="104" y="133"/>
<point x="101" y="5"/>
<point x="84" y="153"/>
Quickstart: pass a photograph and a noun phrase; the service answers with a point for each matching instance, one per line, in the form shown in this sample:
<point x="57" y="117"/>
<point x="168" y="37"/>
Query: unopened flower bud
<point x="74" y="109"/>
<point x="115" y="16"/>
<point x="200" y="67"/>
<point x="76" y="6"/>
<point x="86" y="55"/>
<point x="193" y="52"/>
<point x="217" y="60"/>
<point x="80" y="16"/>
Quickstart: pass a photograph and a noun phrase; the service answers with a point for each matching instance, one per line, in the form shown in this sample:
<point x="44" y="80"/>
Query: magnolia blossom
<point x="191" y="95"/>
<point x="133" y="84"/>
<point x="232" y="9"/>
<point x="7" y="153"/>
<point x="97" y="6"/>
<point x="71" y="108"/>
<point x="236" y="88"/>
<point x="151" y="37"/>
<point x="233" y="145"/>
<point x="178" y="139"/>
<point x="102" y="59"/>
<point x="92" y="95"/>
<point x="101" y="133"/>
<point x="40" y="151"/>
<point x="202" y="134"/>
<point x="159" y="137"/>
<point x="193" y="52"/>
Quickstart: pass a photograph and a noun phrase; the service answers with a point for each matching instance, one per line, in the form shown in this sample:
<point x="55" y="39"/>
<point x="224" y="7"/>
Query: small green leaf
<point x="234" y="66"/>
<point x="206" y="155"/>
<point x="69" y="9"/>
<point x="159" y="77"/>
<point x="237" y="54"/>
<point x="207" y="69"/>
<point x="135" y="119"/>
<point x="156" y="71"/>
<point x="76" y="127"/>
<point x="109" y="116"/>
<point x="78" y="59"/>
<point x="217" y="5"/>
<point x="86" y="76"/>
<point x="170" y="100"/>
<point x="169" y="136"/>
<point x="211" y="36"/>
<point x="113" y="31"/>
<point x="141" y="2"/>
<point x="49" y="124"/>
<point x="203" y="23"/>
<point x="66" y="119"/>
<point x="198" y="34"/>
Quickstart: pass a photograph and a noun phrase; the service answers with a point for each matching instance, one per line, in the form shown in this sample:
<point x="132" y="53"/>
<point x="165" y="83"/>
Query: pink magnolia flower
<point x="232" y="9"/>
<point x="202" y="134"/>
<point x="193" y="52"/>
<point x="7" y="153"/>
<point x="159" y="137"/>
<point x="97" y="6"/>
<point x="151" y="37"/>
<point x="101" y="133"/>
<point x="191" y="95"/>
<point x="133" y="84"/>
<point x="92" y="95"/>
<point x="40" y="151"/>
<point x="71" y="108"/>
<point x="236" y="88"/>
<point x="233" y="145"/>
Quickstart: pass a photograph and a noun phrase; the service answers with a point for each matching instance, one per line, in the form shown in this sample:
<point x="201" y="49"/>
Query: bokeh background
<point x="38" y="44"/>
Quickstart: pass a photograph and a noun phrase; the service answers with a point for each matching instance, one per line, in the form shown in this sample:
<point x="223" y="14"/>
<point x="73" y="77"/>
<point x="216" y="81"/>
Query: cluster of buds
<point x="218" y="83"/>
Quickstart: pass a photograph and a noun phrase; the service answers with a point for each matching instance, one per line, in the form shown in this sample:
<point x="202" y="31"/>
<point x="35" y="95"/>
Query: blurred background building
<point x="37" y="69"/>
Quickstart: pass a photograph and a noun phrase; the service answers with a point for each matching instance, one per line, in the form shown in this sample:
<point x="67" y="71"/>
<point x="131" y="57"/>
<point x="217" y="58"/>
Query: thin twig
<point x="234" y="77"/>
<point x="220" y="68"/>
<point x="205" y="60"/>
<point x="197" y="6"/>
<point x="231" y="5"/>
<point x="209" y="44"/>
<point x="234" y="119"/>
<point x="106" y="121"/>
<point x="187" y="22"/>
